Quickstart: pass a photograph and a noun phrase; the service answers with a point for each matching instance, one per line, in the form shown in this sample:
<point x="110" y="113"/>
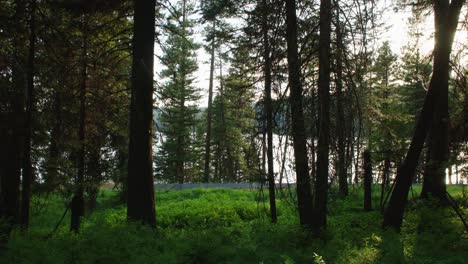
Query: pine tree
<point x="179" y="97"/>
<point x="233" y="117"/>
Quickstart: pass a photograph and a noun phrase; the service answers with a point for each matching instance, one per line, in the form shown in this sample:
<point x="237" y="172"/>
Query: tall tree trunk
<point x="181" y="140"/>
<point x="435" y="176"/>
<point x="367" y="180"/>
<point x="140" y="200"/>
<point x="268" y="109"/>
<point x="27" y="162"/>
<point x="206" y="173"/>
<point x="313" y="128"/>
<point x="304" y="195"/>
<point x="321" y="181"/>
<point x="340" y="121"/>
<point x="12" y="126"/>
<point x="446" y="20"/>
<point x="77" y="203"/>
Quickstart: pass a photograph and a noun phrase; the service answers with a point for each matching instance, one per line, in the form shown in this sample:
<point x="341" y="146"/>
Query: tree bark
<point x="269" y="110"/>
<point x="321" y="181"/>
<point x="140" y="200"/>
<point x="446" y="20"/>
<point x="27" y="162"/>
<point x="12" y="126"/>
<point x="304" y="196"/>
<point x="209" y="110"/>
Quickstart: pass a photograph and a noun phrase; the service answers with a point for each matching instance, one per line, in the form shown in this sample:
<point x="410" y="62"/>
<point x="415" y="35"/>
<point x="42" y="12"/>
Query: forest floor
<point x="232" y="226"/>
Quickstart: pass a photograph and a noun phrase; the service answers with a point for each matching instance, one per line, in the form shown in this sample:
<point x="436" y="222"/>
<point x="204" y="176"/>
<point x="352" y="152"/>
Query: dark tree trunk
<point x="367" y="180"/>
<point x="12" y="126"/>
<point x="27" y="162"/>
<point x="268" y="109"/>
<point x="78" y="204"/>
<point x="434" y="174"/>
<point x="321" y="181"/>
<point x="450" y="172"/>
<point x="206" y="173"/>
<point x="140" y="200"/>
<point x="304" y="196"/>
<point x="313" y="127"/>
<point x="341" y="123"/>
<point x="384" y="183"/>
<point x="446" y="20"/>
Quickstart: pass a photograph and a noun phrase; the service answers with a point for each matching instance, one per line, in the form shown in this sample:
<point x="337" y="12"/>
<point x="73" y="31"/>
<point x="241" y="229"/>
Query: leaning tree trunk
<point x="434" y="175"/>
<point x="304" y="195"/>
<point x="269" y="110"/>
<point x="140" y="199"/>
<point x="446" y="20"/>
<point x="321" y="181"/>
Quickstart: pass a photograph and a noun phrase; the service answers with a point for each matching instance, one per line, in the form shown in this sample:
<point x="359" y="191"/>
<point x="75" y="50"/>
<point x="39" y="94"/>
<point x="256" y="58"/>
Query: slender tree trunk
<point x="446" y="20"/>
<point x="313" y="122"/>
<point x="180" y="152"/>
<point x="321" y="181"/>
<point x="450" y="174"/>
<point x="181" y="140"/>
<point x="27" y="162"/>
<point x="77" y="203"/>
<point x="268" y="109"/>
<point x="340" y="125"/>
<point x="384" y="183"/>
<point x="304" y="195"/>
<point x="367" y="180"/>
<point x="140" y="200"/>
<point x="209" y="110"/>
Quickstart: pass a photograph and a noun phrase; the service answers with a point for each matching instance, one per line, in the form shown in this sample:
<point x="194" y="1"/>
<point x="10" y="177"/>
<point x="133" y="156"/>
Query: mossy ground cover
<point x="231" y="226"/>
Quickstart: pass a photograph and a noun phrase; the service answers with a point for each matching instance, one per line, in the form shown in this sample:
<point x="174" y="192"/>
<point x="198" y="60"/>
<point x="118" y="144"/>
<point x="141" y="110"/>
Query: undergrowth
<point x="232" y="226"/>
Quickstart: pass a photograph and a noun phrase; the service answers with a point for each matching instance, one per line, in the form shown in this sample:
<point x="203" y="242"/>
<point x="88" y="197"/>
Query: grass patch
<point x="231" y="226"/>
